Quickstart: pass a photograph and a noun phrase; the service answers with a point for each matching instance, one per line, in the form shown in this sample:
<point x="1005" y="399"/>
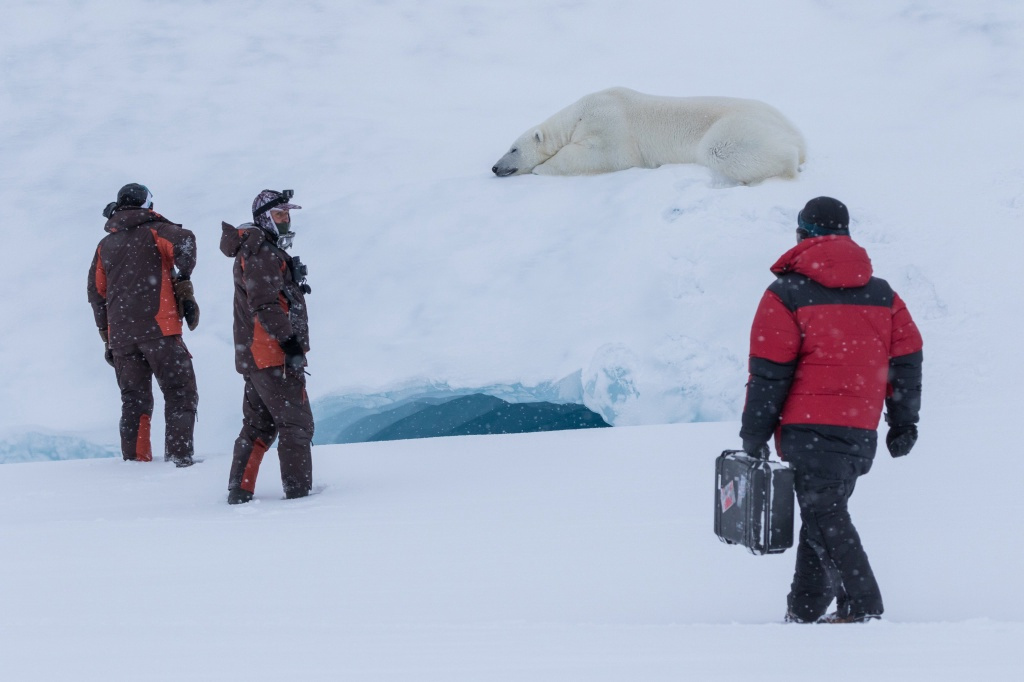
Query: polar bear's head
<point x="526" y="153"/>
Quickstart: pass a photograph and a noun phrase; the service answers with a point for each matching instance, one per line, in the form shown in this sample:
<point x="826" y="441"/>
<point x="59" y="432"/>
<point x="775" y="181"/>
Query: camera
<point x="299" y="272"/>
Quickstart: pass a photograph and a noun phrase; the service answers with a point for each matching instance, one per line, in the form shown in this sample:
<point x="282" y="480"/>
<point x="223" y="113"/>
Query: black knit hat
<point x="134" y="195"/>
<point x="824" y="216"/>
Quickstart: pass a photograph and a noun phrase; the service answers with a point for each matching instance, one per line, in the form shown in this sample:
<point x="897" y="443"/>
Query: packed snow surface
<point x="574" y="555"/>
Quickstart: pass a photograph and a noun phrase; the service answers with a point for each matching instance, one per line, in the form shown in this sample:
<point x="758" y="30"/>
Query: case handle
<point x="766" y="458"/>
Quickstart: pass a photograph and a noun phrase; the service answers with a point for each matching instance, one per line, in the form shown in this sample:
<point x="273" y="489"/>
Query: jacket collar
<point x="127" y="218"/>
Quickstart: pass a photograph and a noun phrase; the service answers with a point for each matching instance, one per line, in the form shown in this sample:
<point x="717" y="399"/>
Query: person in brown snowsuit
<point x="139" y="289"/>
<point x="271" y="334"/>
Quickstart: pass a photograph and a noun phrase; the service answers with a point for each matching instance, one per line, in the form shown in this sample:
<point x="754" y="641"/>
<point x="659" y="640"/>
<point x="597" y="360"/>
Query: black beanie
<point x="133" y="195"/>
<point x="823" y="216"/>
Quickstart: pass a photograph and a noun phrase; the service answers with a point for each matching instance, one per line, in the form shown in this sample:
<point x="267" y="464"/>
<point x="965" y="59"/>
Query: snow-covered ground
<point x="557" y="556"/>
<point x="577" y="555"/>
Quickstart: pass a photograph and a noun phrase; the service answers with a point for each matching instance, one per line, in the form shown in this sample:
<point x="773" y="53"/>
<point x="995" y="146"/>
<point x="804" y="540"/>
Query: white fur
<point x="744" y="139"/>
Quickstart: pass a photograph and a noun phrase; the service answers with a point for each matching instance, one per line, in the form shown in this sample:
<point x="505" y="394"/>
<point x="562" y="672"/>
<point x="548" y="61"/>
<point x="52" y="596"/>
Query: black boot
<point x="294" y="493"/>
<point x="239" y="496"/>
<point x="793" y="618"/>
<point x="837" y="617"/>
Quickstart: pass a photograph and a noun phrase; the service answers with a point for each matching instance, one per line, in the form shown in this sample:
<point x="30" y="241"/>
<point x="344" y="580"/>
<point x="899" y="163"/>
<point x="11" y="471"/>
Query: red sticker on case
<point x="727" y="496"/>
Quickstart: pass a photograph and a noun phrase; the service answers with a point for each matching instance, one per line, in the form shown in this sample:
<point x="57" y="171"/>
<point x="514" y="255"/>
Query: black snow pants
<point x="275" y="403"/>
<point x="169" y="361"/>
<point x="830" y="560"/>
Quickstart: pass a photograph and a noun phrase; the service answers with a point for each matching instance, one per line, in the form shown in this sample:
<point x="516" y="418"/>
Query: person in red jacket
<point x="829" y="347"/>
<point x="271" y="333"/>
<point x="139" y="290"/>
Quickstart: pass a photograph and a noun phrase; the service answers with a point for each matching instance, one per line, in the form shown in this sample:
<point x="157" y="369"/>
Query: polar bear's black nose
<point x="494" y="169"/>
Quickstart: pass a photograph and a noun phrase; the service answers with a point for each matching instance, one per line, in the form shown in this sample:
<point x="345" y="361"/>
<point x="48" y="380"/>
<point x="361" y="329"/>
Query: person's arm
<point x="183" y="248"/>
<point x="774" y="350"/>
<point x="96" y="289"/>
<point x="903" y="393"/>
<point x="903" y="397"/>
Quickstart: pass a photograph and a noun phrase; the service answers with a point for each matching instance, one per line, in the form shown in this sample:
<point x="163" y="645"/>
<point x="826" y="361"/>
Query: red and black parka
<point x="131" y="278"/>
<point x="269" y="303"/>
<point x="829" y="347"/>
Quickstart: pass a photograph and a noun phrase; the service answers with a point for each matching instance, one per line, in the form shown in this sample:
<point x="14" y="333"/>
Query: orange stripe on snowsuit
<point x="252" y="467"/>
<point x="101" y="275"/>
<point x="167" y="314"/>
<point x="143" y="448"/>
<point x="266" y="350"/>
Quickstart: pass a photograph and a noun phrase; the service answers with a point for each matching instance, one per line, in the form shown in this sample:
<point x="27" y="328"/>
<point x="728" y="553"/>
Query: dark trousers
<point x="135" y="366"/>
<point x="830" y="560"/>
<point x="275" y="403"/>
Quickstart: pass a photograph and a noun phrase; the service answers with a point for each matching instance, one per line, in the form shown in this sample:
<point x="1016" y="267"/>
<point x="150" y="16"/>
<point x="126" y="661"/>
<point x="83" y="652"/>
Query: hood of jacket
<point x="834" y="261"/>
<point x="245" y="240"/>
<point x="127" y="218"/>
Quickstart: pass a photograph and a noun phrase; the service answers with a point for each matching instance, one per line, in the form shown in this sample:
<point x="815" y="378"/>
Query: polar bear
<point x="743" y="139"/>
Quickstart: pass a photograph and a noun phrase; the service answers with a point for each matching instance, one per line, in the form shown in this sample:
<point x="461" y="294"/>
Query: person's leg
<point x="830" y="531"/>
<point x="859" y="596"/>
<point x="284" y="393"/>
<point x="816" y="581"/>
<point x="172" y="365"/>
<point x="813" y="586"/>
<point x="255" y="438"/>
<point x="135" y="379"/>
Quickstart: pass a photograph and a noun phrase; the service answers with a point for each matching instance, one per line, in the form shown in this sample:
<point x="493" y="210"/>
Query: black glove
<point x="294" y="356"/>
<point x="756" y="449"/>
<point x="187" y="306"/>
<point x="900" y="439"/>
<point x="108" y="354"/>
<point x="190" y="311"/>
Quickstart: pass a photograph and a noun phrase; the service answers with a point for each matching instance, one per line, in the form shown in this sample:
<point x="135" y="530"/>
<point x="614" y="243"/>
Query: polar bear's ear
<point x="538" y="136"/>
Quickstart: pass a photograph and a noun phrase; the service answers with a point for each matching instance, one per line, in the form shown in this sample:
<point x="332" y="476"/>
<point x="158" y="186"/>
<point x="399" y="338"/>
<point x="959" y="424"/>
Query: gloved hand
<point x="294" y="356"/>
<point x="187" y="306"/>
<point x="108" y="354"/>
<point x="900" y="439"/>
<point x="756" y="449"/>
